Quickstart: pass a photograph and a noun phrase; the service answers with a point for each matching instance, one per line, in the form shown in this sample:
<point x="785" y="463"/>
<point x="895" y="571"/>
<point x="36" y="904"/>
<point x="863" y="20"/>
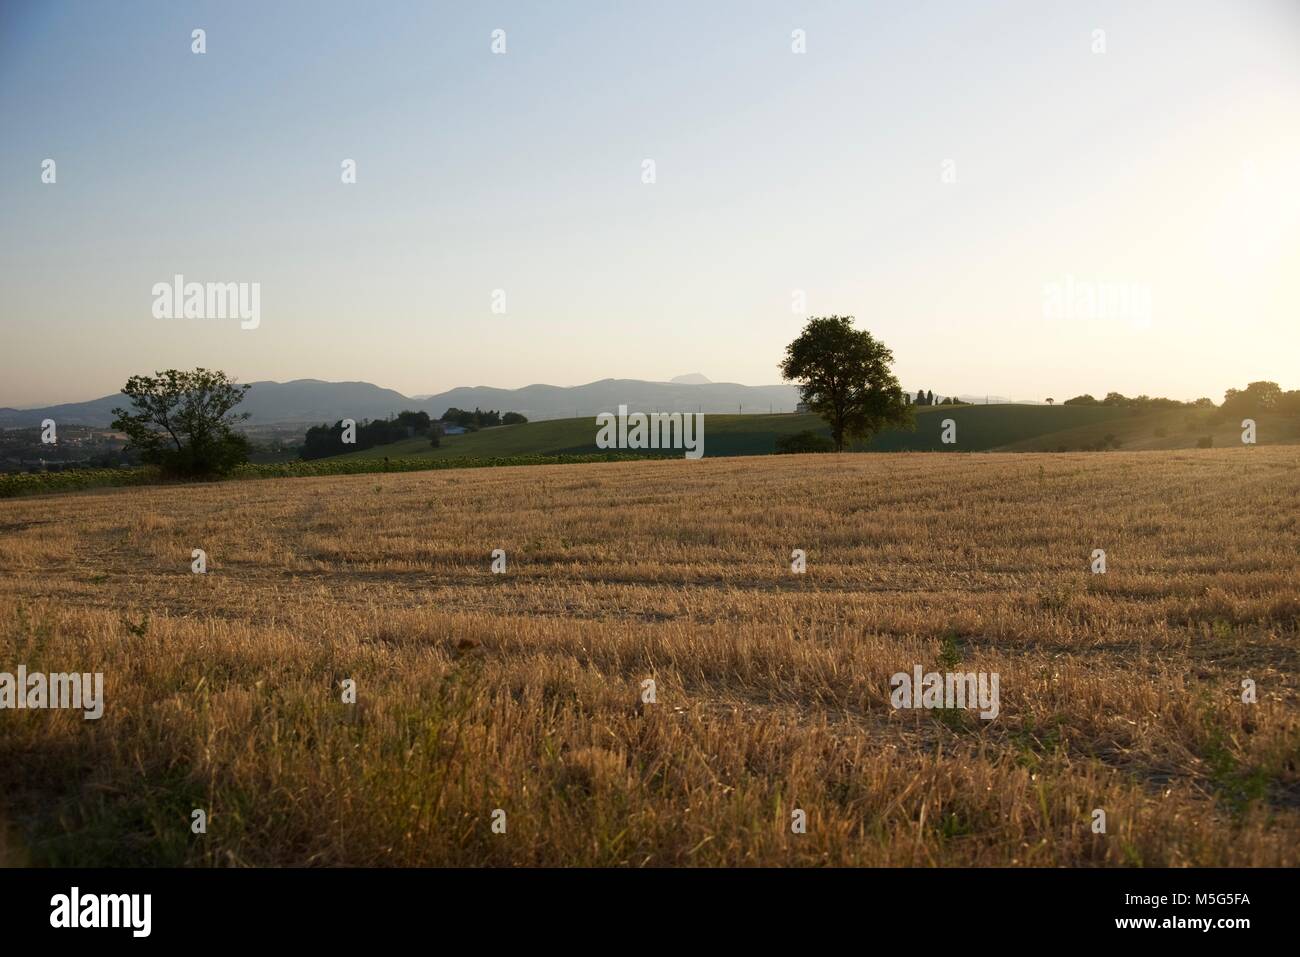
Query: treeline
<point x="1260" y="397"/>
<point x="926" y="397"/>
<point x="1141" y="402"/>
<point x="326" y="440"/>
<point x="1256" y="398"/>
<point x="478" y="419"/>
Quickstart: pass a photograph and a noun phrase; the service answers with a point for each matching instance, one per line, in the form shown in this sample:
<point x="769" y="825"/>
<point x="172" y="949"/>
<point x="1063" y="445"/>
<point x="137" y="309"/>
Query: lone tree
<point x="181" y="421"/>
<point x="844" y="376"/>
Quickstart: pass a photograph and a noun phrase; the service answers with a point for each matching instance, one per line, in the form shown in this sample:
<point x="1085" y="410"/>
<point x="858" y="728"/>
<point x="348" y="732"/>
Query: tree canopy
<point x="183" y="423"/>
<point x="844" y="375"/>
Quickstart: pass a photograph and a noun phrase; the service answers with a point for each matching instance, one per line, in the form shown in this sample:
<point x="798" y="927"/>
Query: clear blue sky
<point x="1169" y="163"/>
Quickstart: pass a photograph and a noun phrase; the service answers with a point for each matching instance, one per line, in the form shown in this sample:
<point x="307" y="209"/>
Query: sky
<point x="1014" y="202"/>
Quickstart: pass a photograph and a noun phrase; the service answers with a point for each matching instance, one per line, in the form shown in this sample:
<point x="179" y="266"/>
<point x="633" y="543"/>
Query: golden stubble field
<point x="523" y="691"/>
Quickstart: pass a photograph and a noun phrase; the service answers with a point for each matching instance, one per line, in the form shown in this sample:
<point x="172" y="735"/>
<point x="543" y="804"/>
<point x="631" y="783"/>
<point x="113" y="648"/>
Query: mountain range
<point x="313" y="401"/>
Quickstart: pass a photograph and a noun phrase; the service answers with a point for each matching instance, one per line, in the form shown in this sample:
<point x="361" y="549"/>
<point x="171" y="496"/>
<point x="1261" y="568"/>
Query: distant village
<point x="81" y="447"/>
<point x="21" y="450"/>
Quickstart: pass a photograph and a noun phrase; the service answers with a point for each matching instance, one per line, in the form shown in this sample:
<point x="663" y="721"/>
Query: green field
<point x="980" y="428"/>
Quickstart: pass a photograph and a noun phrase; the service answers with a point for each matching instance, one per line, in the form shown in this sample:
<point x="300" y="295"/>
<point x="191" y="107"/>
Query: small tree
<point x="417" y="422"/>
<point x="182" y="421"/>
<point x="1051" y="402"/>
<point x="844" y="376"/>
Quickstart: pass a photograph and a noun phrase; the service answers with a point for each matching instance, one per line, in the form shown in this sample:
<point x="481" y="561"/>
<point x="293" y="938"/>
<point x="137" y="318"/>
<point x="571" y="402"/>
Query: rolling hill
<point x="980" y="428"/>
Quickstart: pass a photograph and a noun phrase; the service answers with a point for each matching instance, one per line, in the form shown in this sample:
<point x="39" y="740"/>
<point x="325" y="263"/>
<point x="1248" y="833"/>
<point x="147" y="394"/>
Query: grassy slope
<point x="980" y="428"/>
<point x="1181" y="428"/>
<point x="724" y="435"/>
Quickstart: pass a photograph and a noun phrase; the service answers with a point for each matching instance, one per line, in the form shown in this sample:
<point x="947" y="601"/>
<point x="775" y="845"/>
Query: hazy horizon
<point x="421" y="396"/>
<point x="932" y="170"/>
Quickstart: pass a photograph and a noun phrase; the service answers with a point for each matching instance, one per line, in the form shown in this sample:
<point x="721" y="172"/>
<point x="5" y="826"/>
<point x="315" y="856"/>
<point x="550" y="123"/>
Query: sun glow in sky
<point x="938" y="170"/>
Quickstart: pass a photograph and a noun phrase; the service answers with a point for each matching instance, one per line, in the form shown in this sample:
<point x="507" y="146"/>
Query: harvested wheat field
<point x="479" y="693"/>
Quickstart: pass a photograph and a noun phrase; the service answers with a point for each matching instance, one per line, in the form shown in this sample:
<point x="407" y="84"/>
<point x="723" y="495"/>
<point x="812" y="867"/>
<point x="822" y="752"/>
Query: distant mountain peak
<point x="691" y="378"/>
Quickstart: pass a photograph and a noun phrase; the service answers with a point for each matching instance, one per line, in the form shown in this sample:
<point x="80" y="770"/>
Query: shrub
<point x="806" y="441"/>
<point x="39" y="483"/>
<point x="28" y="483"/>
